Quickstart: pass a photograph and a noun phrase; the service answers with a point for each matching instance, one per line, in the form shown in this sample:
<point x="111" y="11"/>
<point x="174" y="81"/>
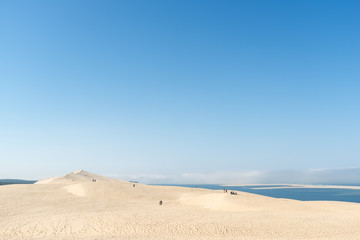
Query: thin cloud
<point x="309" y="176"/>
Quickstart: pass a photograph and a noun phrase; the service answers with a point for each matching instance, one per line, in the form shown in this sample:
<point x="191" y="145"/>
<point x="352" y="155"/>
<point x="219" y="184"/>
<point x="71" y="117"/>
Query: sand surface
<point x="76" y="207"/>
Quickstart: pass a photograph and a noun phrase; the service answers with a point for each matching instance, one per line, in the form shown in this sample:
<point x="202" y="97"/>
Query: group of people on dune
<point x="232" y="192"/>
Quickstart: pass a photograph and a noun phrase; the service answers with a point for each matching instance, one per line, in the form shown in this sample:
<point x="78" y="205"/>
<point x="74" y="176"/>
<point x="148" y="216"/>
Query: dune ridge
<point x="74" y="206"/>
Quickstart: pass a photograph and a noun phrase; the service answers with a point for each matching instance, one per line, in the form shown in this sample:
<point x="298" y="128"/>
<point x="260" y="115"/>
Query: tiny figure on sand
<point x="160" y="203"/>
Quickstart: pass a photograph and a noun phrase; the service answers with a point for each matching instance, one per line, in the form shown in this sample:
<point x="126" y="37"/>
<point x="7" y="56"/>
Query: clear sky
<point x="165" y="88"/>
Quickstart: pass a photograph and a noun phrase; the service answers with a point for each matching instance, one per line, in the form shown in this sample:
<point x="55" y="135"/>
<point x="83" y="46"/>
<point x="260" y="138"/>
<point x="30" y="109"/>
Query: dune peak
<point x="78" y="176"/>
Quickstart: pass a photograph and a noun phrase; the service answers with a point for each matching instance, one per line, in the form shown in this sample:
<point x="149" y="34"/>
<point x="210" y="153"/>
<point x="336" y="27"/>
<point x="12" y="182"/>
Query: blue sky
<point x="164" y="88"/>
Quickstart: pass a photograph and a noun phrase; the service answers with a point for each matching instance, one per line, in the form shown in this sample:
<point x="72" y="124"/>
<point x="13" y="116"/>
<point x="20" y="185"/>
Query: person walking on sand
<point x="161" y="202"/>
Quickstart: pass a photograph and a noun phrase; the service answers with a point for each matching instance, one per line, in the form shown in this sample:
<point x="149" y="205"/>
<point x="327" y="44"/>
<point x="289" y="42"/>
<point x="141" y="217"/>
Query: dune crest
<point x="77" y="176"/>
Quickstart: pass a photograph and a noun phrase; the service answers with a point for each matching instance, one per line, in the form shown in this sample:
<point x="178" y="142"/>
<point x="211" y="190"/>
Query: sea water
<point x="303" y="194"/>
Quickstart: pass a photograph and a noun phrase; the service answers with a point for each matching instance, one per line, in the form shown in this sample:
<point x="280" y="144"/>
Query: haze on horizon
<point x="181" y="91"/>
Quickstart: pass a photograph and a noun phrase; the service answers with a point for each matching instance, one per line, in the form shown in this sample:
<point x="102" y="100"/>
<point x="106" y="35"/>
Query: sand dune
<point x="76" y="207"/>
<point x="77" y="176"/>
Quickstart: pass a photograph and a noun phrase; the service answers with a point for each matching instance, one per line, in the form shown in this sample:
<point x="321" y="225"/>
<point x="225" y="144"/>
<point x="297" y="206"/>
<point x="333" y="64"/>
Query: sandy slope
<point x="75" y="207"/>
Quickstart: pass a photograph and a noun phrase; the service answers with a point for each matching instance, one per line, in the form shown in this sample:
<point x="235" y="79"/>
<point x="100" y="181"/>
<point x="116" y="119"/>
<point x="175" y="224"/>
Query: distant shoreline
<point x="276" y="186"/>
<point x="16" y="181"/>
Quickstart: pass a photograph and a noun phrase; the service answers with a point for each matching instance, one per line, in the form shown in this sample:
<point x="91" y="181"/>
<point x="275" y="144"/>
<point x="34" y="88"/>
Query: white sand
<point x="75" y="207"/>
